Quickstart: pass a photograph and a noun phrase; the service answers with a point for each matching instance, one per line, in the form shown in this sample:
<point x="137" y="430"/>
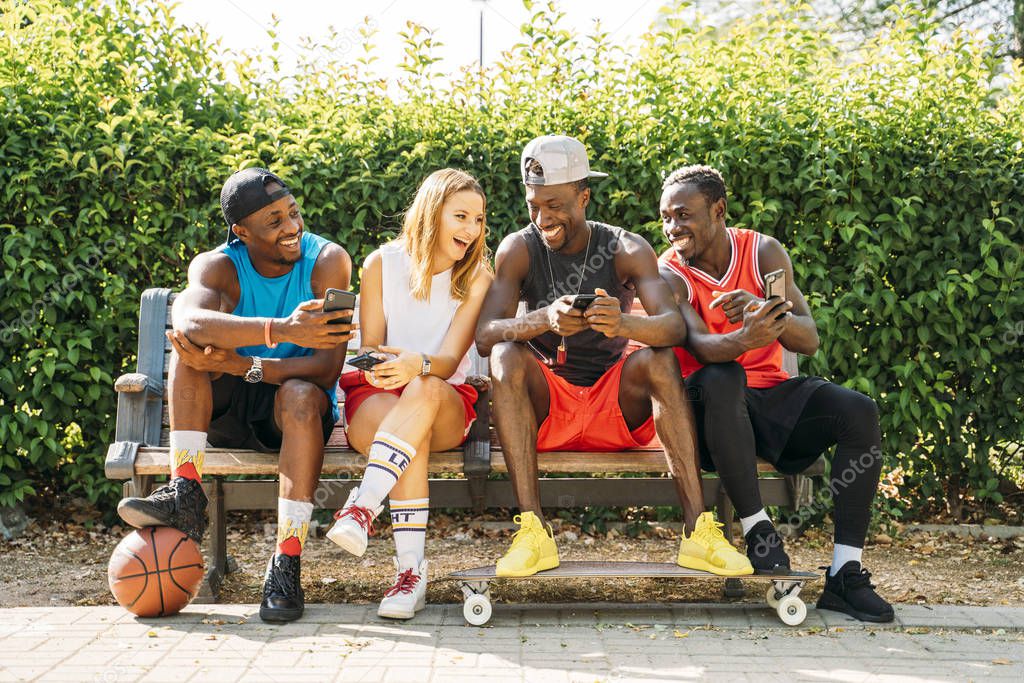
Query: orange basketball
<point x="155" y="571"/>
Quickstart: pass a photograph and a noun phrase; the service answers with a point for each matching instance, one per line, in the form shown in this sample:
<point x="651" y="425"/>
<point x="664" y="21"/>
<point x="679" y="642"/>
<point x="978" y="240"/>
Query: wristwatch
<point x="254" y="375"/>
<point x="425" y="370"/>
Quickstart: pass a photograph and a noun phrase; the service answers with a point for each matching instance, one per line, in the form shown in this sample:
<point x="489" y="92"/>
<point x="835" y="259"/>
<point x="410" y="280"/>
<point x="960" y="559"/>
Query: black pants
<point x="798" y="421"/>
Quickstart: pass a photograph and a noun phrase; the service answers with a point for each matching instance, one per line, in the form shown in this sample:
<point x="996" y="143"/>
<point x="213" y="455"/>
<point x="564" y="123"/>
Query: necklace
<point x="562" y="352"/>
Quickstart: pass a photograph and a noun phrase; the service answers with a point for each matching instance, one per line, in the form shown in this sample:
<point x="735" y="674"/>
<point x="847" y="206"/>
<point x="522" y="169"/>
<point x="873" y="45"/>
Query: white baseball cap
<point x="554" y="160"/>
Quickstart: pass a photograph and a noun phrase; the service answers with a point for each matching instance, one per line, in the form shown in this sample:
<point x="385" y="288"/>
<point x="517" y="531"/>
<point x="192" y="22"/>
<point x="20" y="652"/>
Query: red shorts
<point x="357" y="390"/>
<point x="589" y="418"/>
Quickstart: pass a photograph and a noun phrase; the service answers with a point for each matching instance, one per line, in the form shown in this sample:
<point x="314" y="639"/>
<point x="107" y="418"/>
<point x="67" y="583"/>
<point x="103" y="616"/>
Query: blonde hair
<point x="422" y="227"/>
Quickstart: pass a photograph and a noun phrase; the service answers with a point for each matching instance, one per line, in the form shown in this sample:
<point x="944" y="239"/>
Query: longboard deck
<point x="654" y="570"/>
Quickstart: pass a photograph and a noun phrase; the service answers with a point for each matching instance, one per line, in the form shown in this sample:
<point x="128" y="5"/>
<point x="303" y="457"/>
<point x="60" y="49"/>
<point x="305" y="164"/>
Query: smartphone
<point x="583" y="301"/>
<point x="775" y="284"/>
<point x="364" y="361"/>
<point x="337" y="300"/>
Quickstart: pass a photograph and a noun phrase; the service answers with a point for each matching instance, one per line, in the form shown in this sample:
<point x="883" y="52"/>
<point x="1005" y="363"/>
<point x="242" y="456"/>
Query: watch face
<point x="254" y="374"/>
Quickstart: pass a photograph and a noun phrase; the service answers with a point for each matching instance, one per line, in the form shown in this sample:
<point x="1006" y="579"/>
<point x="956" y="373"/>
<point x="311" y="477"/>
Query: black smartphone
<point x="583" y="301"/>
<point x="775" y="284"/>
<point x="337" y="300"/>
<point x="364" y="361"/>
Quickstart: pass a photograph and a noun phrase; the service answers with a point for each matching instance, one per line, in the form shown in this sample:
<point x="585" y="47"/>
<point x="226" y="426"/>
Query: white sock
<point x="751" y="521"/>
<point x="841" y="554"/>
<point x="187" y="448"/>
<point x="409" y="524"/>
<point x="292" y="523"/>
<point x="388" y="458"/>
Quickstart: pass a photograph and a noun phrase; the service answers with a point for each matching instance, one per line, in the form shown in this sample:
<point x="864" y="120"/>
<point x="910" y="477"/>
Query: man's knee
<point x="654" y="366"/>
<point x="863" y="407"/>
<point x="509" y="362"/>
<point x="725" y="381"/>
<point x="860" y="415"/>
<point x="299" y="401"/>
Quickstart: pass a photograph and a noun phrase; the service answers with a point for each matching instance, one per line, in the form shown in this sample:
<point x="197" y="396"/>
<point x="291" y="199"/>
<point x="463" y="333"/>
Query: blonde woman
<point x="419" y="301"/>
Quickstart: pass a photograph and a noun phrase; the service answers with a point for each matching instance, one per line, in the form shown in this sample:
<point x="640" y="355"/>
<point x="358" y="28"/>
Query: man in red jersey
<point x="747" y="406"/>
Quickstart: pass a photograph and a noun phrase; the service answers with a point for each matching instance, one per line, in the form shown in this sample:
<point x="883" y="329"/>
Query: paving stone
<point x="529" y="643"/>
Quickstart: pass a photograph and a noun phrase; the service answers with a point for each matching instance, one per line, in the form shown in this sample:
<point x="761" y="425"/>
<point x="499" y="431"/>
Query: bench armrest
<point x="136" y="382"/>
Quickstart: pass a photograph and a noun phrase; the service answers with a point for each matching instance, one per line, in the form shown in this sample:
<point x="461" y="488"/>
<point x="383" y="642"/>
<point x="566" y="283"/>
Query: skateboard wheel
<point x="771" y="597"/>
<point x="477" y="610"/>
<point x="791" y="610"/>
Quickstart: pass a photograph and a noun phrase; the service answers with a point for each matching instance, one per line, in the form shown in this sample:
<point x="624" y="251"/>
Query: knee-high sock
<point x="292" y="525"/>
<point x="187" y="452"/>
<point x="388" y="458"/>
<point x="409" y="523"/>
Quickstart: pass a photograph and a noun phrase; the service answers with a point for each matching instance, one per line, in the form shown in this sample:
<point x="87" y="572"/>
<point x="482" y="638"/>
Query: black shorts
<point x="774" y="412"/>
<point x="243" y="416"/>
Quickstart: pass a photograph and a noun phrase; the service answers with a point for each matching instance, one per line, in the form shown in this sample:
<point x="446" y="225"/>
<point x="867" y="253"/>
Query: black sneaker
<point x="180" y="503"/>
<point x="850" y="591"/>
<point x="765" y="551"/>
<point x="283" y="599"/>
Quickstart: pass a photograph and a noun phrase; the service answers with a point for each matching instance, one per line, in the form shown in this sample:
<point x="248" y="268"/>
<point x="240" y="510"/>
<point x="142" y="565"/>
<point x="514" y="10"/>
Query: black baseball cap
<point x="245" y="193"/>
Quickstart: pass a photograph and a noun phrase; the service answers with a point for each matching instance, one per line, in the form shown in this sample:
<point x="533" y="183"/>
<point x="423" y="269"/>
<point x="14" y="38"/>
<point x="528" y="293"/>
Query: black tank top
<point x="589" y="353"/>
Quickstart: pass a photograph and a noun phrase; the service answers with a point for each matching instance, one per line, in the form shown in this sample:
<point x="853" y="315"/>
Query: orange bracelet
<point x="266" y="335"/>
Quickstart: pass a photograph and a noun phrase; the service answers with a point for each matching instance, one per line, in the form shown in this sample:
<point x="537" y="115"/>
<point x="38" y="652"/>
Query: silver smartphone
<point x="775" y="284"/>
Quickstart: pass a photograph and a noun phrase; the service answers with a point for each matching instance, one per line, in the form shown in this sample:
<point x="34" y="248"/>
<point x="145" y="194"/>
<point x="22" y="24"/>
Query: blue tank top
<point x="276" y="297"/>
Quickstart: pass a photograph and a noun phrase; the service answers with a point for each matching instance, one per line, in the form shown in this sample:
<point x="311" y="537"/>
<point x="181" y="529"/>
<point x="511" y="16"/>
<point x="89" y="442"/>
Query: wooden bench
<point x="140" y="453"/>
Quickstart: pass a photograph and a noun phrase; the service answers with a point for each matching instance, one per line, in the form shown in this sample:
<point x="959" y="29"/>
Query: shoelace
<point x="405" y="583"/>
<point x="361" y="515"/>
<point x="861" y="579"/>
<point x="284" y="578"/>
<point x="712" y="535"/>
<point x="164" y="493"/>
<point x="525" y="535"/>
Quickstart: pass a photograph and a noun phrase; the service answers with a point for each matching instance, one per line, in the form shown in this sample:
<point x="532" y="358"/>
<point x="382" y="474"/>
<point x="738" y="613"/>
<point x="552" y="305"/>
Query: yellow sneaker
<point x="706" y="549"/>
<point x="533" y="549"/>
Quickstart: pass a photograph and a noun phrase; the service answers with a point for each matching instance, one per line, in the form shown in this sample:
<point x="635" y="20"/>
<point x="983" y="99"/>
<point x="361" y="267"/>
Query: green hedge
<point x="894" y="172"/>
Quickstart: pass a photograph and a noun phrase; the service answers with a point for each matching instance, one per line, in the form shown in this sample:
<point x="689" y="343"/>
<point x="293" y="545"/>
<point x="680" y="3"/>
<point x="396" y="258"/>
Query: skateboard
<point x="783" y="590"/>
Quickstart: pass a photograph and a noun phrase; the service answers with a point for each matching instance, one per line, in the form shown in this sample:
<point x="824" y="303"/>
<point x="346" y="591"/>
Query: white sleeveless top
<point x="412" y="324"/>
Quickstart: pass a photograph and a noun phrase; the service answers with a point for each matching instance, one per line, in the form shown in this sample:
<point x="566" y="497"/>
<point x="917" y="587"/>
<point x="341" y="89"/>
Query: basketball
<point x="155" y="571"/>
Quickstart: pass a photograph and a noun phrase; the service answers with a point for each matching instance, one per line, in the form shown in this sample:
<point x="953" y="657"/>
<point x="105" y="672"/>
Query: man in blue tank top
<point x="255" y="365"/>
<point x="562" y="380"/>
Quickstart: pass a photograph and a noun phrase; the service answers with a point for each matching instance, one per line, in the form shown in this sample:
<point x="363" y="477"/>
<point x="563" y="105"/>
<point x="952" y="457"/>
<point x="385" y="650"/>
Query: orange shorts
<point x="589" y="418"/>
<point x="357" y="390"/>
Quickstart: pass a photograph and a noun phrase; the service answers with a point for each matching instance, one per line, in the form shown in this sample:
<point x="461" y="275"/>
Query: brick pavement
<point x="522" y="643"/>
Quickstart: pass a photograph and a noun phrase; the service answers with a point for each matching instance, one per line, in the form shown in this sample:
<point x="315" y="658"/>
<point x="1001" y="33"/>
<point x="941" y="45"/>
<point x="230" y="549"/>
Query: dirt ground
<point x="64" y="563"/>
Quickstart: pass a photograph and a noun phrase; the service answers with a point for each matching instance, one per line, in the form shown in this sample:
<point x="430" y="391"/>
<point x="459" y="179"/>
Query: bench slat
<point x="224" y="461"/>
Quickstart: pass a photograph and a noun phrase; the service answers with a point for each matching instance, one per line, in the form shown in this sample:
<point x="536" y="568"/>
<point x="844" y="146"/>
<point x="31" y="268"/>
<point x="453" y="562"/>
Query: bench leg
<point x="140" y="485"/>
<point x="477" y="491"/>
<point x="217" y="553"/>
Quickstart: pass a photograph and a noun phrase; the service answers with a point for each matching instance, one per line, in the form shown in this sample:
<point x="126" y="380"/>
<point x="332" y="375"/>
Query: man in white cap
<point x="561" y="378"/>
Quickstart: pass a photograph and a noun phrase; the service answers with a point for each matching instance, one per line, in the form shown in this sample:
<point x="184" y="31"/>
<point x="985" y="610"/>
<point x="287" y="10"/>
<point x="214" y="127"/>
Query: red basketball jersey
<point x="763" y="365"/>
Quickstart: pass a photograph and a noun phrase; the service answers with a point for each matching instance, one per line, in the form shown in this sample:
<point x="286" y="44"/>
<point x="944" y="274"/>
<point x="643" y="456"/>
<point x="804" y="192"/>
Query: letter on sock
<point x="409" y="523"/>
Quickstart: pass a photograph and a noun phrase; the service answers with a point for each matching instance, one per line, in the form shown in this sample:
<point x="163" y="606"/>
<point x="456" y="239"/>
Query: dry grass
<point x="63" y="563"/>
